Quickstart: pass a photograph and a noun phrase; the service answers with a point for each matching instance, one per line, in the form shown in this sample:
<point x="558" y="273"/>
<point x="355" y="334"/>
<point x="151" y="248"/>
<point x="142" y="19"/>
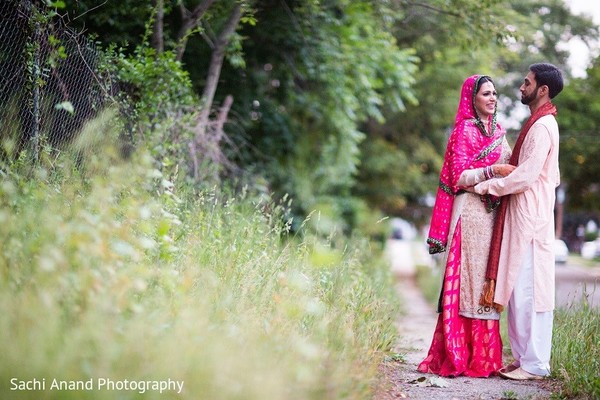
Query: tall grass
<point x="123" y="275"/>
<point x="576" y="351"/>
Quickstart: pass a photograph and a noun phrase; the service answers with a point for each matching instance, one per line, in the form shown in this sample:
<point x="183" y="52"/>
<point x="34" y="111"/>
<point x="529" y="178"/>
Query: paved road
<point x="576" y="284"/>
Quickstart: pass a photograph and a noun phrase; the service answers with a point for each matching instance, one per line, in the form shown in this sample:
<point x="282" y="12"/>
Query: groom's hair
<point x="549" y="75"/>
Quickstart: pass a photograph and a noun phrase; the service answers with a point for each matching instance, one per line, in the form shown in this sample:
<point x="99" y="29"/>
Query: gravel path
<point x="400" y="378"/>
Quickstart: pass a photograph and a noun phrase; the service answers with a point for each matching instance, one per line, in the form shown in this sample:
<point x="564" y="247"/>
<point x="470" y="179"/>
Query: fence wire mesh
<point x="51" y="82"/>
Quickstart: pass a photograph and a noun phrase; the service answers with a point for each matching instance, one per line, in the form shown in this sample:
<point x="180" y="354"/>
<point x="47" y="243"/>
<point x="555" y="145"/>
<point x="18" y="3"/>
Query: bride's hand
<point x="502" y="170"/>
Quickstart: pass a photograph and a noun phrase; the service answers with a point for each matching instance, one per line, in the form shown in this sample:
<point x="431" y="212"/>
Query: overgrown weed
<point x="119" y="273"/>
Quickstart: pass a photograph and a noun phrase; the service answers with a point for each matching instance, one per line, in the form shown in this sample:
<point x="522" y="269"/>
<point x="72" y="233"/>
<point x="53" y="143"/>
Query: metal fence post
<point x="35" y="129"/>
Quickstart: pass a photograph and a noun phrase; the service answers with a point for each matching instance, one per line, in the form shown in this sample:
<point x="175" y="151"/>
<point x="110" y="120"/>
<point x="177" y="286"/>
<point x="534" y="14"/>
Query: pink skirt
<point x="460" y="345"/>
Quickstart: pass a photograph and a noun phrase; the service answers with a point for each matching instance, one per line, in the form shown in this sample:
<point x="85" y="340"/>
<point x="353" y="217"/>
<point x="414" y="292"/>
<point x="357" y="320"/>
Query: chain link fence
<point x="51" y="81"/>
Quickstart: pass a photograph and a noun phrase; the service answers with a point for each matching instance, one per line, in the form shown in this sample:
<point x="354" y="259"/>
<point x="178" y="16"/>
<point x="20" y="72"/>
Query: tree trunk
<point x="214" y="71"/>
<point x="216" y="62"/>
<point x="189" y="22"/>
<point x="158" y="42"/>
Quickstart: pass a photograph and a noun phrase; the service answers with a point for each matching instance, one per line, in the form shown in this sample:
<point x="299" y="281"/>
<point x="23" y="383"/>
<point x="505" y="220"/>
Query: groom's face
<point x="529" y="89"/>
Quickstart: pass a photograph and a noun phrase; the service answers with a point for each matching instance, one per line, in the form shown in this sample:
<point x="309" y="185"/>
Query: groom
<point x="522" y="244"/>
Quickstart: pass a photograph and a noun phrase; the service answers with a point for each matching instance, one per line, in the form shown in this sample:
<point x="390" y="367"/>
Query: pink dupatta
<point x="468" y="147"/>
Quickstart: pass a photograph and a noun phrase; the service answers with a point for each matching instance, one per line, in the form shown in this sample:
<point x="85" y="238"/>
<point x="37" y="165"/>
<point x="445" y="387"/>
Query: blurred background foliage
<point x="343" y="105"/>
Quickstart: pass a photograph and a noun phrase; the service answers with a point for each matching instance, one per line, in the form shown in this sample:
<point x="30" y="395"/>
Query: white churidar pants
<point x="529" y="332"/>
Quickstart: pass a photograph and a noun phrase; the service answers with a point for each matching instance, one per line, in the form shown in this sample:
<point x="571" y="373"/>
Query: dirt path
<point x="415" y="326"/>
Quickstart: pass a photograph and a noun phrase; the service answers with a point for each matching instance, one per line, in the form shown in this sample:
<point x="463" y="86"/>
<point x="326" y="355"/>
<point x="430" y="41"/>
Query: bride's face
<point x="485" y="100"/>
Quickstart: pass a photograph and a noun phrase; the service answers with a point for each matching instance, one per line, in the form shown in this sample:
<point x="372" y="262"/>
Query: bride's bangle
<point x="488" y="172"/>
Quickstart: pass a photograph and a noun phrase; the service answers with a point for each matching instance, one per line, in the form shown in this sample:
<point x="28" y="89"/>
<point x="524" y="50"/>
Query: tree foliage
<point x="579" y="117"/>
<point x="344" y="104"/>
<point x="322" y="70"/>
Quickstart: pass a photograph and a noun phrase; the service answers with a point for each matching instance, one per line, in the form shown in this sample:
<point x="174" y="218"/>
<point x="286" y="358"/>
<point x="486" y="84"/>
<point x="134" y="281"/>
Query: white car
<point x="561" y="251"/>
<point x="591" y="250"/>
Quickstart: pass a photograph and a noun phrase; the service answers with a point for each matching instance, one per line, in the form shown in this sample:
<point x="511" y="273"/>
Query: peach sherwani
<point x="530" y="214"/>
